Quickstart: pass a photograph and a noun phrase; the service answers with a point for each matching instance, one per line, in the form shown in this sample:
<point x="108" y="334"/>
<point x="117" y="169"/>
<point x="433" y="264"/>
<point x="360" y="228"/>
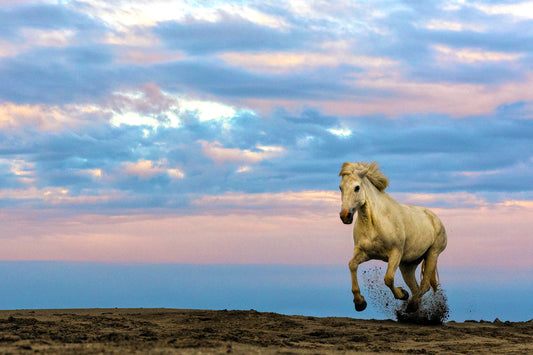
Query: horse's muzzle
<point x="346" y="216"/>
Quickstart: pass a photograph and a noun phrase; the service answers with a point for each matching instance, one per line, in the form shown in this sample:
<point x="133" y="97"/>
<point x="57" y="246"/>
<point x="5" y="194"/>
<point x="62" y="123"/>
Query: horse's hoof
<point x="412" y="307"/>
<point x="360" y="306"/>
<point x="405" y="295"/>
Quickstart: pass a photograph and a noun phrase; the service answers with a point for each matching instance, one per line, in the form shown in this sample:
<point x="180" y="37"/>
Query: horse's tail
<point x="434" y="277"/>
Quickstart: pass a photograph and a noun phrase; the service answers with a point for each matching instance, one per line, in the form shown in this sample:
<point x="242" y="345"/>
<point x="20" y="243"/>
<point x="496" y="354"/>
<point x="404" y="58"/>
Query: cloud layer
<point x="156" y="149"/>
<point x="237" y="107"/>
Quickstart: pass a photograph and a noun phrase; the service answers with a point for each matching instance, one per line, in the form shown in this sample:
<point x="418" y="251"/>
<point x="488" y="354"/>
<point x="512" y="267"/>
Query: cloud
<point x="284" y="62"/>
<point x="214" y="77"/>
<point x="431" y="91"/>
<point x="42" y="16"/>
<point x="519" y="9"/>
<point x="48" y="117"/>
<point x="474" y="55"/>
<point x="220" y="154"/>
<point x="149" y="106"/>
<point x="410" y="36"/>
<point x="252" y="153"/>
<point x="36" y="37"/>
<point x="146" y="169"/>
<point x="495" y="235"/>
<point x="50" y="197"/>
<point x="153" y="107"/>
<point x="226" y="34"/>
<point x="217" y="131"/>
<point x="123" y="14"/>
<point x="347" y="58"/>
<point x="57" y="75"/>
<point x="149" y="100"/>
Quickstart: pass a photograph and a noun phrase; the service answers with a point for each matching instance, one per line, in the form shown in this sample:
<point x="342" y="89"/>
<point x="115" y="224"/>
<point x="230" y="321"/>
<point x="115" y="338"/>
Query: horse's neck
<point x="373" y="205"/>
<point x="365" y="215"/>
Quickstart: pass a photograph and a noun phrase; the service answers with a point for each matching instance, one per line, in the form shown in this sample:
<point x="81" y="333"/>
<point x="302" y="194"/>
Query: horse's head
<point x="352" y="195"/>
<point x="353" y="189"/>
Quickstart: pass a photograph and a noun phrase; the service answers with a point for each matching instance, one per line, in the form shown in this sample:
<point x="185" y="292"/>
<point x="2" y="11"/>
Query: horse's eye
<point x="357" y="188"/>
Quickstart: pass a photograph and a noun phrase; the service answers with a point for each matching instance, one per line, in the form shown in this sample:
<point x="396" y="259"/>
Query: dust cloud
<point x="433" y="310"/>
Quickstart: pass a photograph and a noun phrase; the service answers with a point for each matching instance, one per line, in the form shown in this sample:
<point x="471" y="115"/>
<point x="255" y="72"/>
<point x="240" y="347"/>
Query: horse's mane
<point x="368" y="170"/>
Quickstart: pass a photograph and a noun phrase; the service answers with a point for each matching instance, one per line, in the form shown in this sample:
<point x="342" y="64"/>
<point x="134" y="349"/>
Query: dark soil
<point x="168" y="331"/>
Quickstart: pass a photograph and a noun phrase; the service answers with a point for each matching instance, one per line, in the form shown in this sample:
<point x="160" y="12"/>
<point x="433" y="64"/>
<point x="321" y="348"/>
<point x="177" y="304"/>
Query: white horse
<point x="401" y="235"/>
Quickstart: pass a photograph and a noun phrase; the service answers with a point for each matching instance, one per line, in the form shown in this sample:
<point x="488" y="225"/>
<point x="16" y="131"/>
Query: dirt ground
<point x="170" y="331"/>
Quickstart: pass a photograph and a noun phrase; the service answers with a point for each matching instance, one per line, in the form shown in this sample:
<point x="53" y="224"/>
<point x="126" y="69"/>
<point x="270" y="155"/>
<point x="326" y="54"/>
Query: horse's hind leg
<point x="394" y="262"/>
<point x="359" y="257"/>
<point x="429" y="274"/>
<point x="408" y="273"/>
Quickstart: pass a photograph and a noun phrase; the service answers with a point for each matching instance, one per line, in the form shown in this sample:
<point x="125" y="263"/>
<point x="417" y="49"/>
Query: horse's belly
<point x="419" y="237"/>
<point x="414" y="254"/>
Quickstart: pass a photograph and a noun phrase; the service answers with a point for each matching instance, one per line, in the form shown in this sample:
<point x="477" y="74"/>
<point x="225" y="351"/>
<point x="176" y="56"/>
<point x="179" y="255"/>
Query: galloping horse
<point x="402" y="235"/>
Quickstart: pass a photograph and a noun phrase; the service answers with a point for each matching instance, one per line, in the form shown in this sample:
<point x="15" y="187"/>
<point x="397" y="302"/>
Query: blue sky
<point x="135" y="132"/>
<point x="289" y="289"/>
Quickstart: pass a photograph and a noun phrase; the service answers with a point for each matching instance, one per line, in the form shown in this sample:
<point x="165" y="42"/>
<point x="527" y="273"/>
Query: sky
<point x="311" y="290"/>
<point x="212" y="132"/>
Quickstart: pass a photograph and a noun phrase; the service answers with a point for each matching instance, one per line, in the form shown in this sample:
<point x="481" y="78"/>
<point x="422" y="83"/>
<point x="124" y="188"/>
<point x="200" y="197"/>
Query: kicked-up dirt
<point x="170" y="331"/>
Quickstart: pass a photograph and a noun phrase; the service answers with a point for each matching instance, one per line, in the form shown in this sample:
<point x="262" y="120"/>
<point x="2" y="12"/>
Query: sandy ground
<point x="169" y="331"/>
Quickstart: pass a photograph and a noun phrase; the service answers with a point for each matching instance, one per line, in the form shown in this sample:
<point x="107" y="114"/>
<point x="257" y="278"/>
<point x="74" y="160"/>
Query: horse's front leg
<point x="359" y="257"/>
<point x="394" y="261"/>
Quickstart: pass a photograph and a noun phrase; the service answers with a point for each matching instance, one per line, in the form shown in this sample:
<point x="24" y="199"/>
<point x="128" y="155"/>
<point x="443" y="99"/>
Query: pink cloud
<point x="285" y="228"/>
<point x="42" y="116"/>
<point x="60" y="196"/>
<point x="148" y="56"/>
<point x="149" y="99"/>
<point x="497" y="235"/>
<point x="147" y="168"/>
<point x="218" y="153"/>
<point x="456" y="100"/>
<point x="193" y="239"/>
<point x="288" y="203"/>
<point x="49" y="117"/>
